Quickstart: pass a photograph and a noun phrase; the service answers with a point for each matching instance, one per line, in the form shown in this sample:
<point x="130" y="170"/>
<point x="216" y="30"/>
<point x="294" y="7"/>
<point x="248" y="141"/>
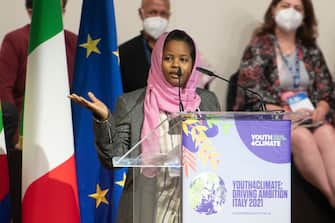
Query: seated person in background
<point x="284" y="60"/>
<point x="138" y="112"/>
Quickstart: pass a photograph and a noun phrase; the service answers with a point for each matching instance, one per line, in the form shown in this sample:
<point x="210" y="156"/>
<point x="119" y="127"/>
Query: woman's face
<point x="285" y="4"/>
<point x="177" y="54"/>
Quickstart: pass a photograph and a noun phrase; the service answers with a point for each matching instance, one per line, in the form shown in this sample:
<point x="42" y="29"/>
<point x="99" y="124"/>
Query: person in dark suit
<point x="140" y="111"/>
<point x="135" y="54"/>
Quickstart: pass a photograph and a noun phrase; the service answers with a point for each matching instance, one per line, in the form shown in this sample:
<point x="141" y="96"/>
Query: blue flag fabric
<point x="97" y="70"/>
<point x="5" y="210"/>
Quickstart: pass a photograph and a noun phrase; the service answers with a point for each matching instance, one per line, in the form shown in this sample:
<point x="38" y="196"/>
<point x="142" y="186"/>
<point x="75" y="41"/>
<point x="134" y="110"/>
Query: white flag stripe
<point x="48" y="136"/>
<point x="2" y="142"/>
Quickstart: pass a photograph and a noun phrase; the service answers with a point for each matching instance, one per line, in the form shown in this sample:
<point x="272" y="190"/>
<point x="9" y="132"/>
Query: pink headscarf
<point x="161" y="96"/>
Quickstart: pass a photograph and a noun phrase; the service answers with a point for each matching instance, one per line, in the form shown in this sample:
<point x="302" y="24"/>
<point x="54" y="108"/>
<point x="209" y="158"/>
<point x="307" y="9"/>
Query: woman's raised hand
<point x="97" y="107"/>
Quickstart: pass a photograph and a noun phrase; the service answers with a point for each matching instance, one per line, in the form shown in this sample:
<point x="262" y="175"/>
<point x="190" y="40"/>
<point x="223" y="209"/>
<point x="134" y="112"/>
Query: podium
<point x="217" y="167"/>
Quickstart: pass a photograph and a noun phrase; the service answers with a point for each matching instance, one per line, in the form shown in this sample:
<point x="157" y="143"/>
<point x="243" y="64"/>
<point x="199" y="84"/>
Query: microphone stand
<point x="181" y="106"/>
<point x="212" y="74"/>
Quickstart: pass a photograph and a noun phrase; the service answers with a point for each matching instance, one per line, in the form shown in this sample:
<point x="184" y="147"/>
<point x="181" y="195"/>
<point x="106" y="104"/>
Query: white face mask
<point x="289" y="19"/>
<point x="155" y="26"/>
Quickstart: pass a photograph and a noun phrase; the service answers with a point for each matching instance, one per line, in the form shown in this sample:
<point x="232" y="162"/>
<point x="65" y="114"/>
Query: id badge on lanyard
<point x="294" y="71"/>
<point x="300" y="101"/>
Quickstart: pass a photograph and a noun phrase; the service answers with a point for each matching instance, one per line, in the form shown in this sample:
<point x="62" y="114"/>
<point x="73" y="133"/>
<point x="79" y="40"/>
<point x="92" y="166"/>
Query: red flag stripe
<point x="4" y="184"/>
<point x="53" y="196"/>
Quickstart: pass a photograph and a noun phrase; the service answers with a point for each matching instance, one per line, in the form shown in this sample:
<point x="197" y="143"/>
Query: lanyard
<point x="295" y="72"/>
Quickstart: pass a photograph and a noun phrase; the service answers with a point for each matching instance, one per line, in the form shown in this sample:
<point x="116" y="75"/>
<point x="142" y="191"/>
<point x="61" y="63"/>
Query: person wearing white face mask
<point x="284" y="64"/>
<point x="288" y="19"/>
<point x="155" y="26"/>
<point x="135" y="54"/>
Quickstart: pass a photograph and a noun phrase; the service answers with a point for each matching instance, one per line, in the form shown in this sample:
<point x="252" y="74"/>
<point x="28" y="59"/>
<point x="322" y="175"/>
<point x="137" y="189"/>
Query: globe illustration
<point x="207" y="193"/>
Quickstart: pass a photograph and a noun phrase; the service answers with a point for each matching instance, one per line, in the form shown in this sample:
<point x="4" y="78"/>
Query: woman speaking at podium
<point x="171" y="87"/>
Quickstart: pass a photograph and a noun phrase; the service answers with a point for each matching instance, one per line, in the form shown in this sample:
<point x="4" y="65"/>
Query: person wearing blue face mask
<point x="135" y="54"/>
<point x="284" y="64"/>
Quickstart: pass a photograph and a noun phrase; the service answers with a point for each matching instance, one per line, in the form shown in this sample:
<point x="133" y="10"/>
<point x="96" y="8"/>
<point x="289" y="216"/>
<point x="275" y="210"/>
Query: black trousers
<point x="15" y="178"/>
<point x="14" y="156"/>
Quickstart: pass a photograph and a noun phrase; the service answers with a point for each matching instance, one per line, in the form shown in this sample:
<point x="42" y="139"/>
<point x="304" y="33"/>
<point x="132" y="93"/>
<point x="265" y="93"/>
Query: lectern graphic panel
<point x="236" y="170"/>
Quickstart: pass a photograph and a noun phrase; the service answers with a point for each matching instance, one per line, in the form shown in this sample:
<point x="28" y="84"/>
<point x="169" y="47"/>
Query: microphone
<point x="179" y="73"/>
<point x="212" y="74"/>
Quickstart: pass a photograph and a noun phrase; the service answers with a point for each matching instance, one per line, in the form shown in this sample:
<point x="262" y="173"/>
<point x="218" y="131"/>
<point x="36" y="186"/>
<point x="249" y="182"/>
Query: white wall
<point x="221" y="28"/>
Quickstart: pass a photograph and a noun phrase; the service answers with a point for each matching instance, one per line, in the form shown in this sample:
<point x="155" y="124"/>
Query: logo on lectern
<point x="207" y="193"/>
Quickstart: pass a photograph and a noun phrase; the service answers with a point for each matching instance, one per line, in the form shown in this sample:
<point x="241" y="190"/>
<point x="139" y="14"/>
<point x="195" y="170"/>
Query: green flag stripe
<point x="46" y="14"/>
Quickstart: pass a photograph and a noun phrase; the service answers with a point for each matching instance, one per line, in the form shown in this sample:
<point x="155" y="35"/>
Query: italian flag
<point x="4" y="179"/>
<point x="49" y="186"/>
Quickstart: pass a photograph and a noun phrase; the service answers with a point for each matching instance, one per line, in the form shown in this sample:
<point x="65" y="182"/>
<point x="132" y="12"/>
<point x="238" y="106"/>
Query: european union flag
<point x="96" y="70"/>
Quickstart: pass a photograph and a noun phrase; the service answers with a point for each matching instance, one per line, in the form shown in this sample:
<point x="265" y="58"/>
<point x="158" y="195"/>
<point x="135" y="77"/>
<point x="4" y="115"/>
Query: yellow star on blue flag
<point x="91" y="45"/>
<point x="122" y="182"/>
<point x="99" y="196"/>
<point x="116" y="53"/>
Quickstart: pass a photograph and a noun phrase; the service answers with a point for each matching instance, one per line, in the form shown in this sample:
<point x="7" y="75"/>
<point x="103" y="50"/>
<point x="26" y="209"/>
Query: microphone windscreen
<point x="205" y="71"/>
<point x="179" y="73"/>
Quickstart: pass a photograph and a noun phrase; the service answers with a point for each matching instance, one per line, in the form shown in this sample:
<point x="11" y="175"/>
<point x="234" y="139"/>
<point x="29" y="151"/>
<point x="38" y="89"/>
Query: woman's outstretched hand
<point x="97" y="107"/>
